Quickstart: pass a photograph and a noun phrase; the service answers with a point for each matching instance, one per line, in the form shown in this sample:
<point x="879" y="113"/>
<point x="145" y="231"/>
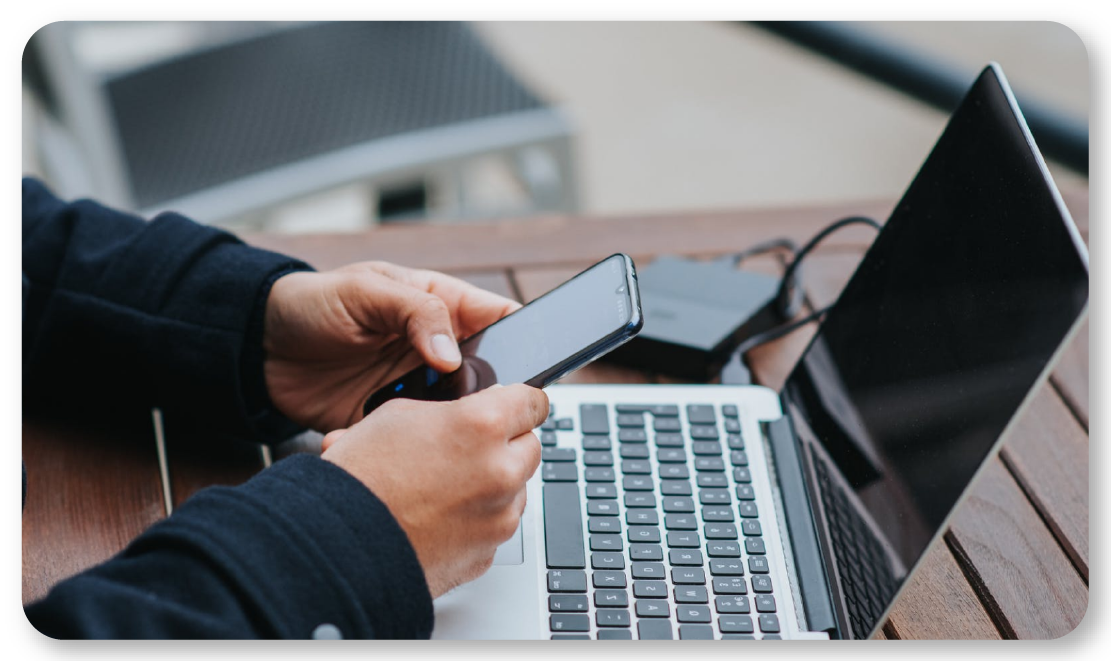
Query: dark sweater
<point x="131" y="314"/>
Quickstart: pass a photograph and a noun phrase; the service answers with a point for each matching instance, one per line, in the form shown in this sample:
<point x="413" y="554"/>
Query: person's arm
<point x="120" y="312"/>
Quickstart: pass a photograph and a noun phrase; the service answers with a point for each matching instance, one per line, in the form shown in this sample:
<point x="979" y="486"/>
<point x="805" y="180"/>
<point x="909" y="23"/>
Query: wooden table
<point x="1014" y="563"/>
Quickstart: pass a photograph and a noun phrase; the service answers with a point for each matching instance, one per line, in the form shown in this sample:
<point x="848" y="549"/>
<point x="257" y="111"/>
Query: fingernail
<point x="445" y="347"/>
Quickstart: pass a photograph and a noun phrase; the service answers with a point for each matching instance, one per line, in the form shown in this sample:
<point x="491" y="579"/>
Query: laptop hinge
<point x="813" y="582"/>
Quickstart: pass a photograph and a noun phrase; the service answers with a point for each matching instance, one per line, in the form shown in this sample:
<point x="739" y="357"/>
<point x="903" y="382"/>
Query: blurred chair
<point x="226" y="132"/>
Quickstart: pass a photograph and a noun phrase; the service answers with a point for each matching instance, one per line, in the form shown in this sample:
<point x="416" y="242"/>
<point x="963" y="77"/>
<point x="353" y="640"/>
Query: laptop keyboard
<point x="671" y="545"/>
<point x="866" y="579"/>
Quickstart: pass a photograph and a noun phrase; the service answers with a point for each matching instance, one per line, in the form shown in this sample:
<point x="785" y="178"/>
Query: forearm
<point x="300" y="545"/>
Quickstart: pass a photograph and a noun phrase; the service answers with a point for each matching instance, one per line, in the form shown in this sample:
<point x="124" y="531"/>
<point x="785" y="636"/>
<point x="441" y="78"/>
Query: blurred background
<point x="309" y="127"/>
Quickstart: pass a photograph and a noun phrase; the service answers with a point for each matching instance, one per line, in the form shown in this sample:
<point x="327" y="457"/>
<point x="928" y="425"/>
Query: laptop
<point x="738" y="512"/>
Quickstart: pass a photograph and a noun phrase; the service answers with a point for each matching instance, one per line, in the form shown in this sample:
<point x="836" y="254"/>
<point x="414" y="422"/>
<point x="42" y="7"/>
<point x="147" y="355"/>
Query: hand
<point x="333" y="338"/>
<point x="453" y="474"/>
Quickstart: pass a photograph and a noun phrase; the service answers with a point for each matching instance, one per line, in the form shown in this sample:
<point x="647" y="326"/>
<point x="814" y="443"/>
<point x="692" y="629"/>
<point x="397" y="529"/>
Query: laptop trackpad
<point x="512" y="552"/>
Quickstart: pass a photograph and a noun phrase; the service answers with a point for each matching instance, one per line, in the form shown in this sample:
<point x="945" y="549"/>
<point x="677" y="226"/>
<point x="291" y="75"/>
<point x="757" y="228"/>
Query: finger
<point x="516" y="409"/>
<point x="330" y="438"/>
<point x="384" y="304"/>
<point x="523" y="455"/>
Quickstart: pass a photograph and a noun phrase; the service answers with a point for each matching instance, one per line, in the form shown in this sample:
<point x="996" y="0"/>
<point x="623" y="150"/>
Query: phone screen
<point x="572" y="324"/>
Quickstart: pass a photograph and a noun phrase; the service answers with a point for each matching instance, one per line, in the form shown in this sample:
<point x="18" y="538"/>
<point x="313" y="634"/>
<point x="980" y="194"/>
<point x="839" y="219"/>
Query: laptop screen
<point x="953" y="314"/>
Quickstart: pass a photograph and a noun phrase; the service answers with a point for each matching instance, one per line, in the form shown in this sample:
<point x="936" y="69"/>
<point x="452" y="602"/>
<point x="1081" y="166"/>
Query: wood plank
<point x="90" y="490"/>
<point x="1072" y="374"/>
<point x="1048" y="454"/>
<point x="558" y="240"/>
<point x="825" y="274"/>
<point x="939" y="604"/>
<point x="1031" y="589"/>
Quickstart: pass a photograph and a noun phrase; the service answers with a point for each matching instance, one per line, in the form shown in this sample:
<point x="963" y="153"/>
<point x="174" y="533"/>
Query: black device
<point x="584" y="318"/>
<point x="695" y="315"/>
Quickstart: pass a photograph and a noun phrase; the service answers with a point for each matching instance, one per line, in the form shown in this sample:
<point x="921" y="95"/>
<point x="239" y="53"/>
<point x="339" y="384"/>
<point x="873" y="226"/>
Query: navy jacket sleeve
<point x="123" y="312"/>
<point x="302" y="544"/>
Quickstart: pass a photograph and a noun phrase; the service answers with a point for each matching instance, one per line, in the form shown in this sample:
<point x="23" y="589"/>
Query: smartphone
<point x="579" y="321"/>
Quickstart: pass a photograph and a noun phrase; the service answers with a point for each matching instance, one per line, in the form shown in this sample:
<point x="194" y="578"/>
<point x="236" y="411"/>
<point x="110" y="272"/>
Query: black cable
<point x="735" y="371"/>
<point x="787" y="305"/>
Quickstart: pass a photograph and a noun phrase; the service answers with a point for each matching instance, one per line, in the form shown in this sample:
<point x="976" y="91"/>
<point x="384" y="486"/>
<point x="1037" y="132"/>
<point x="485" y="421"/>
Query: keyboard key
<point x="755" y="546"/>
<point x="608" y="617"/>
<point x="611" y="599"/>
<point x="636" y="467"/>
<point x="720" y="531"/>
<point x="762" y="583"/>
<point x="714" y="497"/>
<point x="606" y="543"/>
<point x="602" y="508"/>
<point x="732" y="426"/>
<point x="712" y="480"/>
<point x="642" y="517"/>
<point x="686" y="557"/>
<point x="608" y="491"/>
<point x="738" y="458"/>
<point x="563" y="531"/>
<point x="598" y="458"/>
<point x="765" y="603"/>
<point x="597" y="443"/>
<point x="688" y="576"/>
<point x="638" y="483"/>
<point x="735" y="624"/>
<point x="745" y="492"/>
<point x="547" y="438"/>
<point x="658" y="410"/>
<point x="670" y="441"/>
<point x="567" y="622"/>
<point x="667" y="425"/>
<point x="730" y="585"/>
<point x="603" y="524"/>
<point x="607" y="560"/>
<point x="594" y="419"/>
<point x="742" y="475"/>
<point x="729" y="411"/>
<point x="727" y="567"/>
<point x="634" y="452"/>
<point x="709" y="448"/>
<point x="696" y="632"/>
<point x="675" y="488"/>
<point x="653" y="629"/>
<point x="568" y="603"/>
<point x="632" y="436"/>
<point x="610" y="579"/>
<point x="735" y="441"/>
<point x="769" y="623"/>
<point x="772" y="636"/>
<point x="727" y="605"/>
<point x="650" y="590"/>
<point x="615" y="634"/>
<point x="644" y="534"/>
<point x="674" y="472"/>
<point x="630" y="420"/>
<point x="566" y="580"/>
<point x="678" y="504"/>
<point x="640" y="499"/>
<point x="717" y="514"/>
<point x="684" y="540"/>
<point x="548" y="425"/>
<point x="701" y="414"/>
<point x="559" y="472"/>
<point x="653" y="608"/>
<point x="671" y="456"/>
<point x="648" y="570"/>
<point x="598" y="475"/>
<point x="646" y="552"/>
<point x="747" y="509"/>
<point x="704" y="433"/>
<point x="709" y="464"/>
<point x="720" y="549"/>
<point x="758" y="565"/>
<point x="700" y="614"/>
<point x="691" y="594"/>
<point x="680" y="522"/>
<point x="724" y="636"/>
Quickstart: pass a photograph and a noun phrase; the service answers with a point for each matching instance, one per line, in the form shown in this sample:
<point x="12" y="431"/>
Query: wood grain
<point x="90" y="491"/>
<point x="1018" y="569"/>
<point x="1072" y="374"/>
<point x="1046" y="453"/>
<point x="937" y="592"/>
